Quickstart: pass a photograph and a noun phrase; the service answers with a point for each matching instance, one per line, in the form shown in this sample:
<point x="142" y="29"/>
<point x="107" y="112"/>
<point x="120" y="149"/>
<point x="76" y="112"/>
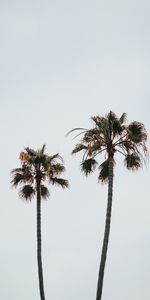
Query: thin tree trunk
<point x="39" y="252"/>
<point x="106" y="233"/>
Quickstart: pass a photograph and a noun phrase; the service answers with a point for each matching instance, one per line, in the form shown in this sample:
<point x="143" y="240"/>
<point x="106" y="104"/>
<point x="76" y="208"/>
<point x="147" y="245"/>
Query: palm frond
<point x="44" y="192"/>
<point x="98" y="120"/>
<point x="27" y="192"/>
<point x="104" y="171"/>
<point x="17" y="179"/>
<point x="91" y="135"/>
<point x="123" y="118"/>
<point x="127" y="145"/>
<point x="78" y="148"/>
<point x="115" y="125"/>
<point x="60" y="182"/>
<point x="21" y="175"/>
<point x="30" y="151"/>
<point x="74" y="129"/>
<point x="95" y="147"/>
<point x="137" y="132"/>
<point x="16" y="170"/>
<point x="57" y="168"/>
<point x="43" y="148"/>
<point x="39" y="158"/>
<point x="54" y="157"/>
<point x="25" y="158"/>
<point x="133" y="162"/>
<point x="88" y="166"/>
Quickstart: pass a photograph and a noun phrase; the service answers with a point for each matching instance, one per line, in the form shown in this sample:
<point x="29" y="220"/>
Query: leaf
<point x="60" y="182"/>
<point x="88" y="166"/>
<point x="18" y="178"/>
<point x="137" y="132"/>
<point x="91" y="135"/>
<point x="133" y="162"/>
<point x="57" y="168"/>
<point x="78" y="128"/>
<point x="78" y="148"/>
<point x="44" y="192"/>
<point x="27" y="192"/>
<point x="104" y="171"/>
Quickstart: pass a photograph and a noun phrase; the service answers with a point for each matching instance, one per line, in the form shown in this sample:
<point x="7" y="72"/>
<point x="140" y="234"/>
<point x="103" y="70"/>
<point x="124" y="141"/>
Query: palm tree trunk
<point x="39" y="253"/>
<point x="106" y="233"/>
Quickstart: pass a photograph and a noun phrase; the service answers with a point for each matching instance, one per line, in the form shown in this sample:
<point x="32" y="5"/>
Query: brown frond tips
<point x="133" y="162"/>
<point x="30" y="151"/>
<point x="123" y="118"/>
<point x="104" y="171"/>
<point x="44" y="192"/>
<point x="17" y="179"/>
<point x="27" y="192"/>
<point x="88" y="166"/>
<point x="57" y="168"/>
<point x="78" y="148"/>
<point x="60" y="182"/>
<point x="137" y="132"/>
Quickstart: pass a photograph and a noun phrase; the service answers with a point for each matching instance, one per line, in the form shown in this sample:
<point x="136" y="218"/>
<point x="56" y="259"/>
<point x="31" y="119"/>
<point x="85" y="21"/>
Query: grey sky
<point x="60" y="63"/>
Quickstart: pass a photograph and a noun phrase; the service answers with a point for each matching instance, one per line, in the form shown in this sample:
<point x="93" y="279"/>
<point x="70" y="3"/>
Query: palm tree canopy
<point x="111" y="134"/>
<point x="37" y="167"/>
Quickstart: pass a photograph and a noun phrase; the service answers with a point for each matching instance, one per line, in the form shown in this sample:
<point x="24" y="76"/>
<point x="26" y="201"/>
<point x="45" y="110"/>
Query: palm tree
<point x="36" y="168"/>
<point x="110" y="135"/>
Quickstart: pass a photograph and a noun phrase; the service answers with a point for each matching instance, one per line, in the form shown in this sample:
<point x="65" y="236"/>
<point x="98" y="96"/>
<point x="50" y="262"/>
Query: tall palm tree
<point x="36" y="168"/>
<point x="110" y="135"/>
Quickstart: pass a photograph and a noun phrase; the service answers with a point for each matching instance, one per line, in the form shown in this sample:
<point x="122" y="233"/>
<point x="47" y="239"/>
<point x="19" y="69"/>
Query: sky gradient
<point x="61" y="63"/>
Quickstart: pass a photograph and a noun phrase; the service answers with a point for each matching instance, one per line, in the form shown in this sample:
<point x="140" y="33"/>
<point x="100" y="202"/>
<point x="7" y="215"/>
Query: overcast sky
<point x="62" y="62"/>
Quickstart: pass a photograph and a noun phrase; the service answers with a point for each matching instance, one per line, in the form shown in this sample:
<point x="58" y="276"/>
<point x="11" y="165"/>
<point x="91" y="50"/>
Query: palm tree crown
<point x="37" y="167"/>
<point x="109" y="135"/>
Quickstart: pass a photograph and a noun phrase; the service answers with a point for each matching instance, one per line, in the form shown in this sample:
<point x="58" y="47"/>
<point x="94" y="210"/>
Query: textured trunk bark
<point x="106" y="233"/>
<point x="39" y="253"/>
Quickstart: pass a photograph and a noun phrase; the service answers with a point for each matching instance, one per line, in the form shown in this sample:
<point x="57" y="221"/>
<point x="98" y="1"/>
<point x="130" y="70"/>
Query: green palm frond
<point x="133" y="162"/>
<point x="43" y="148"/>
<point x="95" y="147"/>
<point x="104" y="168"/>
<point x="57" y="168"/>
<point x="88" y="166"/>
<point x="60" y="182"/>
<point x="74" y="129"/>
<point x="105" y="128"/>
<point x="17" y="170"/>
<point x="39" y="159"/>
<point x="27" y="192"/>
<point x="44" y="192"/>
<point x="21" y="175"/>
<point x="17" y="179"/>
<point x="91" y="135"/>
<point x="79" y="147"/>
<point x="127" y="145"/>
<point x="98" y="120"/>
<point x="46" y="160"/>
<point x="137" y="132"/>
<point x="54" y="158"/>
<point x="115" y="125"/>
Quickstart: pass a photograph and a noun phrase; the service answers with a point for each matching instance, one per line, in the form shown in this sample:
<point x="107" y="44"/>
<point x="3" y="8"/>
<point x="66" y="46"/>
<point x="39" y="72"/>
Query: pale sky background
<point x="62" y="62"/>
